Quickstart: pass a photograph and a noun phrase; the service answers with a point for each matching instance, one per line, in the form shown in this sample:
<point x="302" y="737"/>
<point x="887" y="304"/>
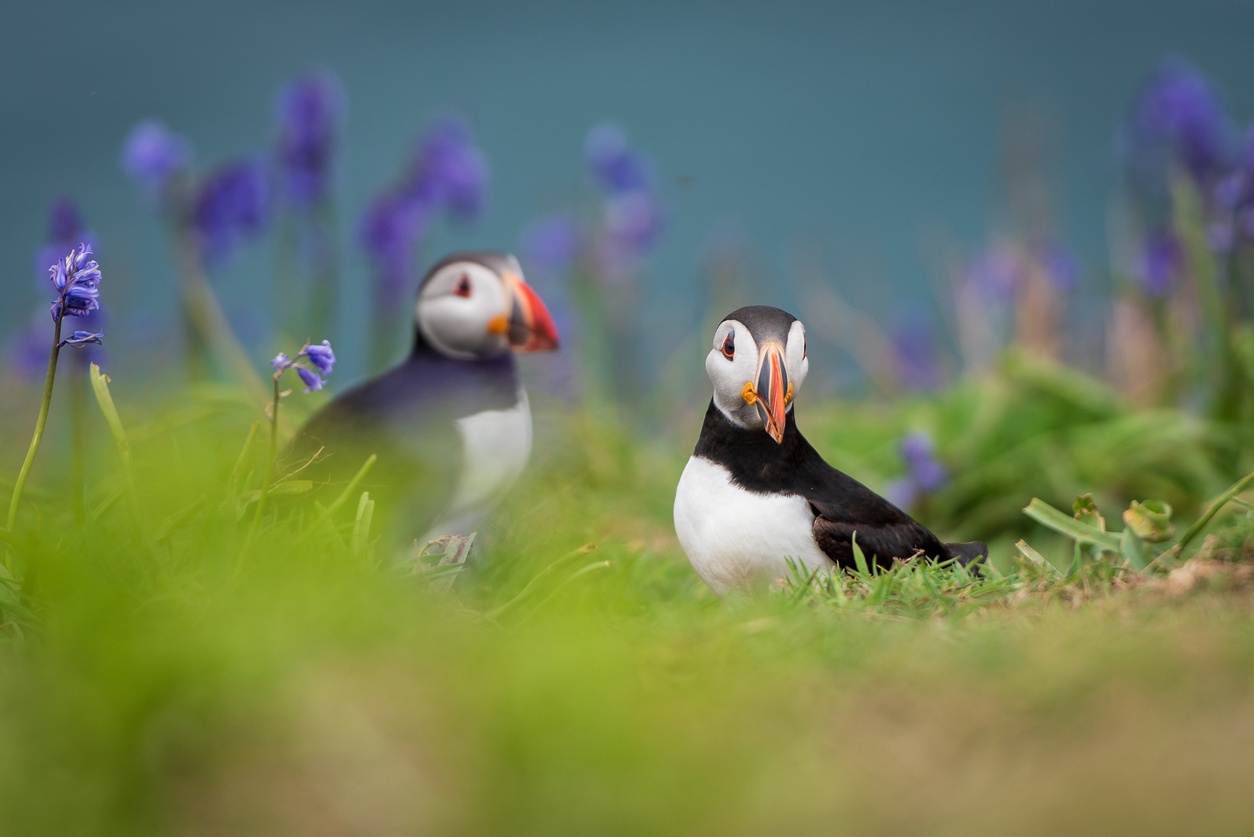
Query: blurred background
<point x="875" y="143"/>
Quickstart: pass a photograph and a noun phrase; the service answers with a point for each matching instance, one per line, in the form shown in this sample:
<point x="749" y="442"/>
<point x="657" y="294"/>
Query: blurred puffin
<point x="451" y="423"/>
<point x="755" y="493"/>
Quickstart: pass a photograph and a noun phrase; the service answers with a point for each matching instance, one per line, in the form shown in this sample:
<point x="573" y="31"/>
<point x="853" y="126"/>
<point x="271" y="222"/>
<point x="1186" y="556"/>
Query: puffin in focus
<point x="450" y="424"/>
<point x="755" y="493"/>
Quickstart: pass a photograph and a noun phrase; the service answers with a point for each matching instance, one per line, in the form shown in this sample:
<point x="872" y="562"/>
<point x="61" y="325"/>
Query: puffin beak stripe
<point x="772" y="388"/>
<point x="530" y="327"/>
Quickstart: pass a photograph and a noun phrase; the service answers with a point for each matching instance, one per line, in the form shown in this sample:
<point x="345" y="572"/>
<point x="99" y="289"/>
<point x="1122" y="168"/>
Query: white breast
<point x="735" y="537"/>
<point x="495" y="448"/>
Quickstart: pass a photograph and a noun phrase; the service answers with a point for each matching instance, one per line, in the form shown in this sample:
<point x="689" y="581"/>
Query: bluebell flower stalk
<point x="447" y="175"/>
<point x="309" y="112"/>
<point x="76" y="280"/>
<point x="313" y="363"/>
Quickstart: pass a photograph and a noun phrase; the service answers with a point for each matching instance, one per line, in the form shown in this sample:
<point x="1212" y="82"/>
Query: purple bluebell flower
<point x="550" y="245"/>
<point x="916" y="353"/>
<point x="448" y="171"/>
<point x="924" y="472"/>
<point x="76" y="279"/>
<point x="996" y="274"/>
<point x="309" y="111"/>
<point x="152" y="155"/>
<point x="924" y="469"/>
<point x="65" y="230"/>
<point x="320" y="355"/>
<point x="390" y="231"/>
<point x="1177" y="117"/>
<point x="1060" y="265"/>
<point x="312" y="381"/>
<point x="26" y="350"/>
<point x="1162" y="260"/>
<point x="80" y="339"/>
<point x="615" y="166"/>
<point x="231" y="205"/>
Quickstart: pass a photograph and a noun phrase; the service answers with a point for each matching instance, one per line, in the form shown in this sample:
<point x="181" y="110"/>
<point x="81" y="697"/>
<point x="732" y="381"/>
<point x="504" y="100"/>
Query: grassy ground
<point x="183" y="675"/>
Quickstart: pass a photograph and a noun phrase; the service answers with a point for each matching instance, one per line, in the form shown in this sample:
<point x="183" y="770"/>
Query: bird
<point x="450" y="424"/>
<point x="756" y="495"/>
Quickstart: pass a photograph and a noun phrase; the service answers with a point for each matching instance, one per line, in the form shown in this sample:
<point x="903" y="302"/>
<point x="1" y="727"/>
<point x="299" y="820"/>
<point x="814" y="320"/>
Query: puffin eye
<point x="729" y="345"/>
<point x="463" y="286"/>
<point x="805" y="347"/>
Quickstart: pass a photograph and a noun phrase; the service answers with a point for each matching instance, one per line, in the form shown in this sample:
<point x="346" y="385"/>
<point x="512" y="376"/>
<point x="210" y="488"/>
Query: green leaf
<point x="100" y="386"/>
<point x="858" y="557"/>
<point x="1051" y="518"/>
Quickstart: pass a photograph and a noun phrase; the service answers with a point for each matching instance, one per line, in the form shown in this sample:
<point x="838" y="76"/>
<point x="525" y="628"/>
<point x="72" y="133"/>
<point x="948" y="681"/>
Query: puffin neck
<point x="750" y="451"/>
<point x="423" y="351"/>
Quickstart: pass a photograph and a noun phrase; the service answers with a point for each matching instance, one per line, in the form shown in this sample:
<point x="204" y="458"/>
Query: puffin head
<point x="477" y="305"/>
<point x="757" y="365"/>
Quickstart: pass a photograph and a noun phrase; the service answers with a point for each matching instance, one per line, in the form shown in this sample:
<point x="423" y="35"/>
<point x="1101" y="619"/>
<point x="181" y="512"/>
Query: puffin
<point x="450" y="424"/>
<point x="755" y="494"/>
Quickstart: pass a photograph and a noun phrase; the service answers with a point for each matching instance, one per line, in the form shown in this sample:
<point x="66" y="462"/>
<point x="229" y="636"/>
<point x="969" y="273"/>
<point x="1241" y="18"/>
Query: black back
<point x="842" y="506"/>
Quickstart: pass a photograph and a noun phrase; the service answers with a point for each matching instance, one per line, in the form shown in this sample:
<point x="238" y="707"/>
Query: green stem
<point x="39" y="433"/>
<point x="1221" y="501"/>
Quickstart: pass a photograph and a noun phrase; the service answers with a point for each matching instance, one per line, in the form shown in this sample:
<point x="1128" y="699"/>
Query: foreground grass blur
<point x="184" y="674"/>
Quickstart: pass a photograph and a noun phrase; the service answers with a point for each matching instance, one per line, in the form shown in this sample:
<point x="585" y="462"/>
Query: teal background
<point x="857" y="131"/>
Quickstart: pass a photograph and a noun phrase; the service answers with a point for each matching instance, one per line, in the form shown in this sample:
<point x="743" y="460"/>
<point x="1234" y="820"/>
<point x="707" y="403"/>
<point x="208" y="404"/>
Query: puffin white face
<point x="468" y="310"/>
<point x="756" y="376"/>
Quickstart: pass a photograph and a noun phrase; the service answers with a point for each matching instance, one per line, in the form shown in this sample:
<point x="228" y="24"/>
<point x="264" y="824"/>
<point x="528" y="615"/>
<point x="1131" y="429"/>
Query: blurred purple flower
<point x="26" y="350"/>
<point x="390" y="231"/>
<point x="65" y="230"/>
<point x="616" y="168"/>
<point x="550" y="245"/>
<point x="152" y="155"/>
<point x="1162" y="260"/>
<point x="916" y="353"/>
<point x="231" y="205"/>
<point x="996" y="274"/>
<point x="448" y="171"/>
<point x="309" y="111"/>
<point x="1176" y="116"/>
<point x="1061" y="267"/>
<point x="925" y="470"/>
<point x="76" y="279"/>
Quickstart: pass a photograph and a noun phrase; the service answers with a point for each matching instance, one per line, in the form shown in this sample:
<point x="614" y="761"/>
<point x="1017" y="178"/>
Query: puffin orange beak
<point x="772" y="391"/>
<point x="528" y="326"/>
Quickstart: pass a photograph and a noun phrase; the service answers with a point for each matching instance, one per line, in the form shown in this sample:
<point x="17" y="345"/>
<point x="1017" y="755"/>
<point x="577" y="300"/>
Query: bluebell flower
<point x="76" y="279"/>
<point x="152" y="155"/>
<point x="916" y="353"/>
<point x="448" y="171"/>
<point x="65" y="230"/>
<point x="550" y="245"/>
<point x="312" y="381"/>
<point x="996" y="274"/>
<point x="231" y="205"/>
<point x="390" y="231"/>
<point x="82" y="338"/>
<point x="309" y="111"/>
<point x="321" y="356"/>
<point x="1061" y="267"/>
<point x="1162" y="260"/>
<point x="615" y="166"/>
<point x="924" y="469"/>
<point x="1177" y="117"/>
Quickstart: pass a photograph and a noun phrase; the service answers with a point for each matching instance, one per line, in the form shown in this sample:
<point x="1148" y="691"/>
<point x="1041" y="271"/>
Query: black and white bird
<point x="755" y="493"/>
<point x="451" y="424"/>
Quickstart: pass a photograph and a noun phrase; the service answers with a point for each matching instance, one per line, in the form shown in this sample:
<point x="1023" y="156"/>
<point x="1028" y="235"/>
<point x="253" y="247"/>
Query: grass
<point x="182" y="674"/>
